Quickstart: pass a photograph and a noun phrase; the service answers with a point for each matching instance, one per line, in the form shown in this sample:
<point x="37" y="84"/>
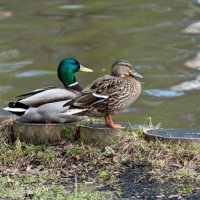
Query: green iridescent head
<point x="67" y="68"/>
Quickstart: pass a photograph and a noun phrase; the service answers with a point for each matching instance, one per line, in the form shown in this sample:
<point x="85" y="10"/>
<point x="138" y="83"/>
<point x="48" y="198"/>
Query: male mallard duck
<point x="46" y="104"/>
<point x="108" y="94"/>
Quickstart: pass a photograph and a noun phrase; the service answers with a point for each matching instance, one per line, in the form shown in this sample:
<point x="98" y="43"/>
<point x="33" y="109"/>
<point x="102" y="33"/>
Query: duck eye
<point x="74" y="63"/>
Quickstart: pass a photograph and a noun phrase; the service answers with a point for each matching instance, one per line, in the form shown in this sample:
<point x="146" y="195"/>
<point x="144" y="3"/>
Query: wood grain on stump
<point x="100" y="134"/>
<point x="176" y="134"/>
<point x="40" y="133"/>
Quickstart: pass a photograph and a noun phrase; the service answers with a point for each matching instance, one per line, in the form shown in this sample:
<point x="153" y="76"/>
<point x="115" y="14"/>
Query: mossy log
<point x="40" y="133"/>
<point x="100" y="135"/>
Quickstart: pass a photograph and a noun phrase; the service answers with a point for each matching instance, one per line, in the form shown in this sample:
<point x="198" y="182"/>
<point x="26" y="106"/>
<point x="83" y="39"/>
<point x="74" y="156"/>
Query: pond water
<point x="160" y="37"/>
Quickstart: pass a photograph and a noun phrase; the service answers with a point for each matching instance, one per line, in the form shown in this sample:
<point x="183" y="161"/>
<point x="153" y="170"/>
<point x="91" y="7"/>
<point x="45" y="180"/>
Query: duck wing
<point x="26" y="95"/>
<point x="99" y="90"/>
<point x="39" y="97"/>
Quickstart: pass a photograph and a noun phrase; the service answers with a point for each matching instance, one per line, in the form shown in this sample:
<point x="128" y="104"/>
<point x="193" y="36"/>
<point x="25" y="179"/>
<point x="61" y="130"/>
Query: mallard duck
<point x="46" y="104"/>
<point x="108" y="95"/>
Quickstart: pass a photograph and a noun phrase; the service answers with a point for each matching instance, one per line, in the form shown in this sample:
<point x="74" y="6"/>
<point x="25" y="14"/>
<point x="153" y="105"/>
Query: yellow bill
<point x="85" y="69"/>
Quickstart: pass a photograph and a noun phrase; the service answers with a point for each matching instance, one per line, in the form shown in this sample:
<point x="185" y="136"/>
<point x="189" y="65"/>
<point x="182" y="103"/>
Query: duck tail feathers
<point x="18" y="105"/>
<point x="17" y="108"/>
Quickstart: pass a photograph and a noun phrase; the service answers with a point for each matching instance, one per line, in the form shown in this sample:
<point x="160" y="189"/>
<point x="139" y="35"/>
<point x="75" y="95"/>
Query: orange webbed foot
<point x="109" y="123"/>
<point x="117" y="126"/>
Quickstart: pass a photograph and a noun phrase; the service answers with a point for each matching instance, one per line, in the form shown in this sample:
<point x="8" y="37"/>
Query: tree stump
<point x="40" y="133"/>
<point x="100" y="135"/>
<point x="177" y="134"/>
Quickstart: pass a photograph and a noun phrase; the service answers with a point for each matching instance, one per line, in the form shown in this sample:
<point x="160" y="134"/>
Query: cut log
<point x="40" y="133"/>
<point x="174" y="134"/>
<point x="100" y="135"/>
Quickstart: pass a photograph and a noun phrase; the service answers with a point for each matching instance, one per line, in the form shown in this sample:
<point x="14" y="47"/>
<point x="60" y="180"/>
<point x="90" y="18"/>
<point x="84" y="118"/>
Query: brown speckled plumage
<point x="118" y="91"/>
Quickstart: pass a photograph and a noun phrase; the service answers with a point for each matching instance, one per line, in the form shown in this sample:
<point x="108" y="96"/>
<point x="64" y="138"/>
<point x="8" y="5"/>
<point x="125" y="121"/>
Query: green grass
<point x="48" y="171"/>
<point x="36" y="187"/>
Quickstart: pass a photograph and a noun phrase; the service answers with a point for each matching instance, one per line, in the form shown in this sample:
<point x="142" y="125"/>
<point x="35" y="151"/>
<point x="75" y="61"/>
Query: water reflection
<point x="9" y="54"/>
<point x="163" y="93"/>
<point x="194" y="63"/>
<point x="188" y="85"/>
<point x="152" y="35"/>
<point x="131" y="110"/>
<point x="71" y="6"/>
<point x="193" y="28"/>
<point x="148" y="28"/>
<point x="8" y="67"/>
<point x="34" y="73"/>
<point x="154" y="67"/>
<point x="4" y="89"/>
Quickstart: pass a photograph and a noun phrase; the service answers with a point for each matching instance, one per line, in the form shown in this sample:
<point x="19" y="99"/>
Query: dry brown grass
<point x="166" y="161"/>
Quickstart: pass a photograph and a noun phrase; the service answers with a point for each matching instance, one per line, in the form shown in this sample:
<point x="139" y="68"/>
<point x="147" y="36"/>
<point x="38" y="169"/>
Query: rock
<point x="109" y="151"/>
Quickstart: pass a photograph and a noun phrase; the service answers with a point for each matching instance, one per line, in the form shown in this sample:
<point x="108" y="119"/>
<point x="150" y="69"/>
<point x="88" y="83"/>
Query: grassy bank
<point x="72" y="170"/>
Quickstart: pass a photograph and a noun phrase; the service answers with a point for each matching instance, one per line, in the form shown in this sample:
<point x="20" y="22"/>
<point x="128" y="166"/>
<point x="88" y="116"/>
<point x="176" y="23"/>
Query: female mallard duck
<point x="108" y="94"/>
<point x="46" y="104"/>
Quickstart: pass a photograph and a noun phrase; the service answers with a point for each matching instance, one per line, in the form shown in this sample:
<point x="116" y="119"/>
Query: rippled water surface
<point x="160" y="37"/>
